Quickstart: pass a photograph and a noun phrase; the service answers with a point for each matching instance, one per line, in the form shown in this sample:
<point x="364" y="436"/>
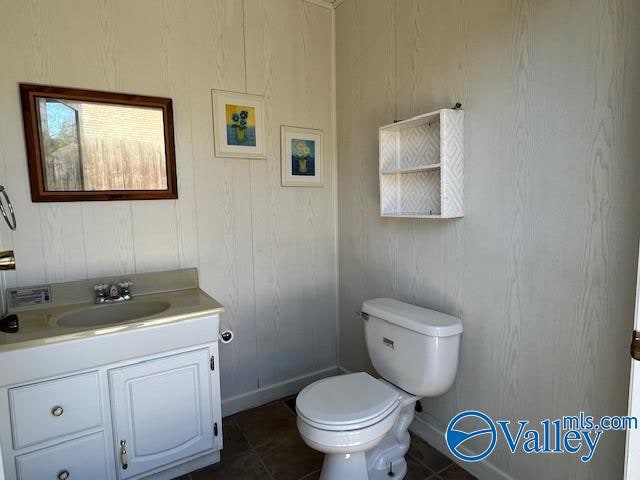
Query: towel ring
<point x="12" y="223"/>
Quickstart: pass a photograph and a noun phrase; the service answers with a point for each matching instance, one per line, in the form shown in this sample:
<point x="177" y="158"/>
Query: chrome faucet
<point x="113" y="293"/>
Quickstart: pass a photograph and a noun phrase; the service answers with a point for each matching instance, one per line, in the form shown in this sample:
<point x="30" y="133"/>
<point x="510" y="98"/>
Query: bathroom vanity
<point x="122" y="390"/>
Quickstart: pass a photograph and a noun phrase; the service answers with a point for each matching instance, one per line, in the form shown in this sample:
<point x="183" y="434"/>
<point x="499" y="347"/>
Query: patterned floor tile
<point x="290" y="459"/>
<point x="234" y="440"/>
<point x="267" y="425"/>
<point x="245" y="466"/>
<point x="427" y="455"/>
<point x="455" y="472"/>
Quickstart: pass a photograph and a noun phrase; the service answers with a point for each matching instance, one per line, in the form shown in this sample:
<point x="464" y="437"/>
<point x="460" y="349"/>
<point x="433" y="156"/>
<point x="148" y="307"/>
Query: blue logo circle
<point x="457" y="437"/>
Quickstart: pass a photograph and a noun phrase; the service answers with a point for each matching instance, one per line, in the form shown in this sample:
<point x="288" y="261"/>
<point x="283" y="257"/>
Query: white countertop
<point x="39" y="326"/>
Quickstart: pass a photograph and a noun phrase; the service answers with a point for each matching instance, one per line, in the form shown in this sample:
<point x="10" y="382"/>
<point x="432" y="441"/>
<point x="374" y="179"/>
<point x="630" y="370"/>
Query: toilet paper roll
<point x="226" y="336"/>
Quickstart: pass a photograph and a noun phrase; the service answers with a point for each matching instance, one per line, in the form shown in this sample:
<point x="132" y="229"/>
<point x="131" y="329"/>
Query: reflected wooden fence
<point x="107" y="164"/>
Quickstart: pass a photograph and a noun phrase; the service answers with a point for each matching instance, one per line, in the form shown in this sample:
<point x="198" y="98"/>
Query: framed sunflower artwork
<point x="238" y="125"/>
<point x="302" y="157"/>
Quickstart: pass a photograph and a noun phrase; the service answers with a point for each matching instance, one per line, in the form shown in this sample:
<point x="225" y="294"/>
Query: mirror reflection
<point x="93" y="145"/>
<point x="89" y="146"/>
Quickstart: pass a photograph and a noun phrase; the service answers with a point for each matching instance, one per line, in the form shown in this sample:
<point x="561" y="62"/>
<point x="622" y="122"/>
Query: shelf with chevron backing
<point x="421" y="166"/>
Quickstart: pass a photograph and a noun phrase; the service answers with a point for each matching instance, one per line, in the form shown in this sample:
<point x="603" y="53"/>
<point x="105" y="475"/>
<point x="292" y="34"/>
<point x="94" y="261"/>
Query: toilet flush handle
<point x="364" y="315"/>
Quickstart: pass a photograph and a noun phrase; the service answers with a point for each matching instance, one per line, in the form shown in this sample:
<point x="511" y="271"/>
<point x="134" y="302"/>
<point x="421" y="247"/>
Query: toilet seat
<point x="346" y="402"/>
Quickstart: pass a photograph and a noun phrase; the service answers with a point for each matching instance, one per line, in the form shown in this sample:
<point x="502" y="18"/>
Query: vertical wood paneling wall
<point x="267" y="253"/>
<point x="542" y="267"/>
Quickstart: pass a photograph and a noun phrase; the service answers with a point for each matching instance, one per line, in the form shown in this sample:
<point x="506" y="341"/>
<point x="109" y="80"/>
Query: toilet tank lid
<point x="412" y="317"/>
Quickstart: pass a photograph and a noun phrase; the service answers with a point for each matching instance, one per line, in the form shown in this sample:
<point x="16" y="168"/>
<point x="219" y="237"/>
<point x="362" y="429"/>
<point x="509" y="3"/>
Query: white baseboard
<point x="273" y="392"/>
<point x="425" y="429"/>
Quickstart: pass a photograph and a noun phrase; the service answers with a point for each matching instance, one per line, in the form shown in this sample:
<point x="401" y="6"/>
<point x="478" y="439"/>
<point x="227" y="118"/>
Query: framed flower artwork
<point x="238" y="125"/>
<point x="302" y="157"/>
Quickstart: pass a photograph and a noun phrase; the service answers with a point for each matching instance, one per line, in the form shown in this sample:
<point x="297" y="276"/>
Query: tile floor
<point x="263" y="444"/>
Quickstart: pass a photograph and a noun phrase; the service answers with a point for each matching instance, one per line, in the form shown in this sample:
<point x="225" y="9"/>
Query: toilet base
<point x="374" y="464"/>
<point x="338" y="466"/>
<point x="398" y="467"/>
<point x="341" y="466"/>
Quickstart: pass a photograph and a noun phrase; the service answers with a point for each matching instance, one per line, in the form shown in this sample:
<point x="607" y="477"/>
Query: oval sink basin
<point x="112" y="313"/>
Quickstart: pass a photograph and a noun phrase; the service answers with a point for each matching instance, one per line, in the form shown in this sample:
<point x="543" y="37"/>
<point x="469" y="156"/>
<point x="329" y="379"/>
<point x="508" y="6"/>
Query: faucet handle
<point x="101" y="292"/>
<point x="125" y="287"/>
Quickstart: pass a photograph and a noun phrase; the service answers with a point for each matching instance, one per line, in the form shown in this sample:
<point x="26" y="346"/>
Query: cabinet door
<point x="162" y="410"/>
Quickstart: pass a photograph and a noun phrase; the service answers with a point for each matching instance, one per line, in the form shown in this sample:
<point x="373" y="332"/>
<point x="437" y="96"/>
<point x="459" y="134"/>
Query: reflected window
<point x="100" y="147"/>
<point x="60" y="145"/>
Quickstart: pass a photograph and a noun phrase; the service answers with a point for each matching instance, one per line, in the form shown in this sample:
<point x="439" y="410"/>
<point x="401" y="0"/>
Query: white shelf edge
<point x="410" y="215"/>
<point x="409" y="121"/>
<point x="422" y="168"/>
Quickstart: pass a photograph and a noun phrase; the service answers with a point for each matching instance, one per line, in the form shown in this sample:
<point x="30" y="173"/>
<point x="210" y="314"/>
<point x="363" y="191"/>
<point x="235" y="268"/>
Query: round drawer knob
<point x="63" y="475"/>
<point x="56" y="412"/>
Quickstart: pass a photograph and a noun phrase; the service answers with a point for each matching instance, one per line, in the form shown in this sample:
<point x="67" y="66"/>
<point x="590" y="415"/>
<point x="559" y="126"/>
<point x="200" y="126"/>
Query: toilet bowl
<point x="344" y="417"/>
<point x="361" y="423"/>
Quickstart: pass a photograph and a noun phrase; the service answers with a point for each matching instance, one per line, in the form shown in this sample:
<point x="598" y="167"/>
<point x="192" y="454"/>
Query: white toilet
<point x="361" y="423"/>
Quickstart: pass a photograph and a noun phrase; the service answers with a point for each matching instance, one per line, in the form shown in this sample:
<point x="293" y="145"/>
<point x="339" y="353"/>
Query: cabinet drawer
<point x="81" y="458"/>
<point x="54" y="408"/>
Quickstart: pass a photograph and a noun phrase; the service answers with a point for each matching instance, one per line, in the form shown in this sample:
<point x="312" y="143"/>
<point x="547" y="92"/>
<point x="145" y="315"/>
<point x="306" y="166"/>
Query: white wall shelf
<point x="421" y="166"/>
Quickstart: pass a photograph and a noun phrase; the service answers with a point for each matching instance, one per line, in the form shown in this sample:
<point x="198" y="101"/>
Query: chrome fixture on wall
<point x="12" y="223"/>
<point x="7" y="260"/>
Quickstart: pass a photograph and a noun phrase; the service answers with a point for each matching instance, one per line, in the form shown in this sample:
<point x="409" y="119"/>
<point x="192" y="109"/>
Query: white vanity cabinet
<point x="111" y="391"/>
<point x="154" y="417"/>
<point x="162" y="411"/>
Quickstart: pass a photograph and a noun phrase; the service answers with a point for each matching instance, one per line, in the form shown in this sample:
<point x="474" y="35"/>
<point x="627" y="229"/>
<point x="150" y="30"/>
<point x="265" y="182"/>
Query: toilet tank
<point x="412" y="347"/>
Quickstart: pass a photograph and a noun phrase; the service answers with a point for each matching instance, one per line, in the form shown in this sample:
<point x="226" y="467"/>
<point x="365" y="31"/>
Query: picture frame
<point x="238" y="125"/>
<point x="302" y="156"/>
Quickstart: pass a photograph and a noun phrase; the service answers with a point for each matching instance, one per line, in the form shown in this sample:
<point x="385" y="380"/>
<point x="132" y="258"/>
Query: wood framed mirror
<point x="91" y="145"/>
